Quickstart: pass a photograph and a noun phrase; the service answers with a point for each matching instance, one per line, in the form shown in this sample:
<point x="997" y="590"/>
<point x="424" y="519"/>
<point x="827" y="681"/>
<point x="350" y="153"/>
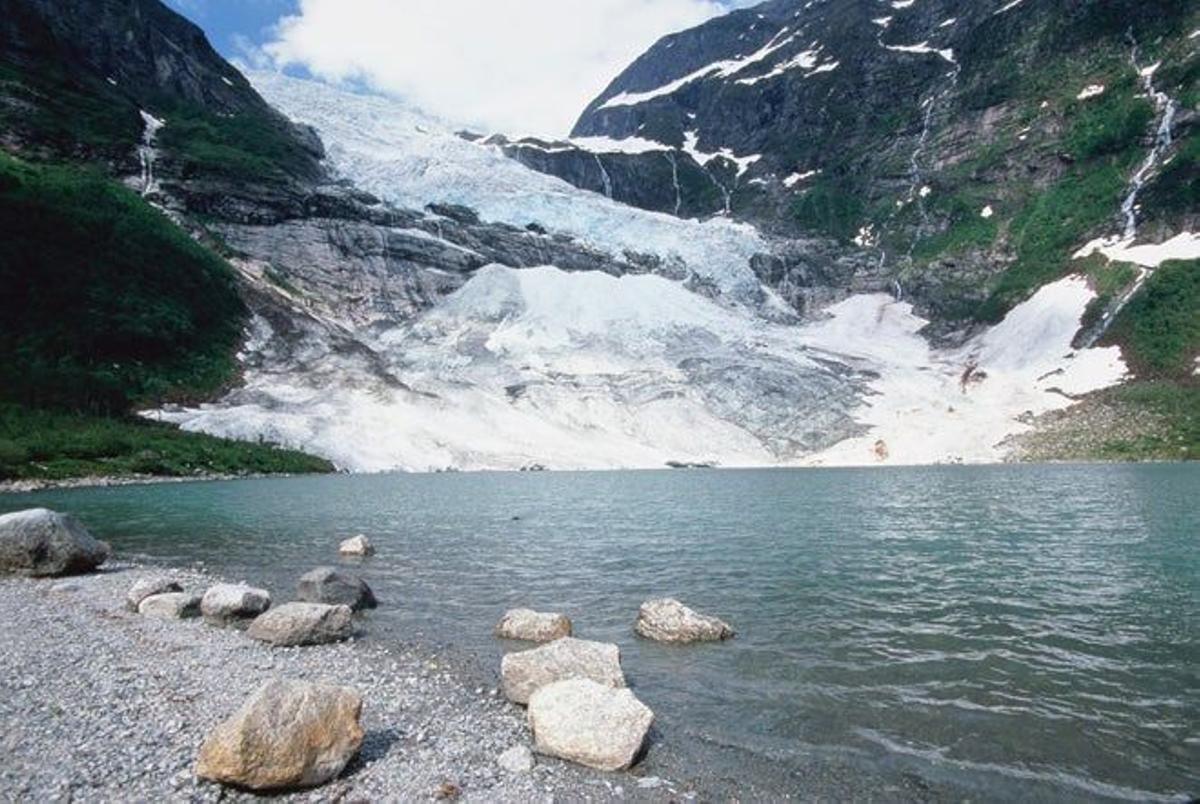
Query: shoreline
<point x="101" y="703"/>
<point x="28" y="486"/>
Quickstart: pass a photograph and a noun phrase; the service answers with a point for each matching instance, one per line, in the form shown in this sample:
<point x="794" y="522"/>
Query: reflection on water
<point x="1018" y="631"/>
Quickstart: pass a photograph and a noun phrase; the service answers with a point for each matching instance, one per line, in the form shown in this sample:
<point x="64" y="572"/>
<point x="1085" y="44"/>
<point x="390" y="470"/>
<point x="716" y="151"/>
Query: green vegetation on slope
<point x="49" y="445"/>
<point x="1160" y="327"/>
<point x="105" y="305"/>
<point x="106" y="302"/>
<point x="1174" y="436"/>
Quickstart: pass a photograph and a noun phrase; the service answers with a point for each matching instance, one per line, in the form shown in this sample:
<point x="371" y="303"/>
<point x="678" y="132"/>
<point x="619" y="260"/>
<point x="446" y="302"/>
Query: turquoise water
<point x="992" y="632"/>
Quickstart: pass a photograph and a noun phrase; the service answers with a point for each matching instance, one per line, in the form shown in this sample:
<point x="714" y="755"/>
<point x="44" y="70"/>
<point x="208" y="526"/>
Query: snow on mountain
<point x="582" y="369"/>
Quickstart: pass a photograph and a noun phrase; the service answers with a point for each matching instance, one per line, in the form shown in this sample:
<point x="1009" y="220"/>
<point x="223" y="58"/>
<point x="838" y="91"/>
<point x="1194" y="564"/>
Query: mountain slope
<point x="958" y="145"/>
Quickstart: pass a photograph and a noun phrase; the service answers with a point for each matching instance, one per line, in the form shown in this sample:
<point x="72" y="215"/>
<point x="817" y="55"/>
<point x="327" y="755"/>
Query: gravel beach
<point x="98" y="703"/>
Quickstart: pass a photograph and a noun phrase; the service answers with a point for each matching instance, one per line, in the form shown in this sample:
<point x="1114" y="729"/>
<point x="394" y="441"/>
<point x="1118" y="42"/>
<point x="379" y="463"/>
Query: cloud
<point x="521" y="66"/>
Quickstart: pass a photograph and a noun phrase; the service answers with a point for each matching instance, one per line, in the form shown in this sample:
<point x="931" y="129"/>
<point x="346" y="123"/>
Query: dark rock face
<point x="40" y="542"/>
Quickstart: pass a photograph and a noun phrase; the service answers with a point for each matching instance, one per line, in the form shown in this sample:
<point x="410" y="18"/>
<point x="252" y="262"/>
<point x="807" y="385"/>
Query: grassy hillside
<point x="106" y="305"/>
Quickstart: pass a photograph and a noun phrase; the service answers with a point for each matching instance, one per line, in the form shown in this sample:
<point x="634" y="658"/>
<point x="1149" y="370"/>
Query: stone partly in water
<point x="289" y="734"/>
<point x="148" y="587"/>
<point x="171" y="606"/>
<point x="533" y="626"/>
<point x="227" y="603"/>
<point x="589" y="723"/>
<point x="39" y="542"/>
<point x="522" y="673"/>
<point x="668" y="620"/>
<point x="358" y="546"/>
<point x="294" y="624"/>
<point x="331" y="586"/>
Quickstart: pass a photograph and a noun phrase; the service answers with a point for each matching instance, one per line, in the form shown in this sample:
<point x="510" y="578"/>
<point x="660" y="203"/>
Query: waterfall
<point x="1166" y="108"/>
<point x="147" y="153"/>
<point x="605" y="179"/>
<point x="675" y="180"/>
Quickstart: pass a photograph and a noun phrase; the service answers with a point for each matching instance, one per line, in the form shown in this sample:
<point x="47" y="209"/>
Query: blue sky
<point x="520" y="66"/>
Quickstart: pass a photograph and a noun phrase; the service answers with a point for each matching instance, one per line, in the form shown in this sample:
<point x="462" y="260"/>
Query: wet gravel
<point x="98" y="703"/>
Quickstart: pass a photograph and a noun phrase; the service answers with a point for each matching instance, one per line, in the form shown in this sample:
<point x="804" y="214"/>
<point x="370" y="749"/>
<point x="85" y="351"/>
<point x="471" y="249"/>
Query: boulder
<point x="328" y="585"/>
<point x="295" y="624"/>
<point x="518" y="759"/>
<point x="171" y="606"/>
<point x="289" y="734"/>
<point x="147" y="587"/>
<point x="668" y="620"/>
<point x="358" y="546"/>
<point x="589" y="723"/>
<point x="524" y="672"/>
<point x="228" y="602"/>
<point x="533" y="626"/>
<point x="39" y="542"/>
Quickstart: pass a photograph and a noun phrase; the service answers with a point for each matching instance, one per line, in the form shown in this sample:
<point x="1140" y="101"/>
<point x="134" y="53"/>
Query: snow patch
<point x="1183" y="246"/>
<point x="1090" y="91"/>
<point x="796" y="178"/>
<point x="987" y="212"/>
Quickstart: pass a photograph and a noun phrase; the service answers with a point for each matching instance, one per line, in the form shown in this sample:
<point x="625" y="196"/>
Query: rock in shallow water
<point x="170" y="606"/>
<point x="533" y="626"/>
<point x="147" y="587"/>
<point x="39" y="542"/>
<point x="227" y="602"/>
<point x="668" y="620"/>
<point x="589" y="723"/>
<point x="524" y="672"/>
<point x="333" y="587"/>
<point x="358" y="546"/>
<point x="294" y="624"/>
<point x="289" y="734"/>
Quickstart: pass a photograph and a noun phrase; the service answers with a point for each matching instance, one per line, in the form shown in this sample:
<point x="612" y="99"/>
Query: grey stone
<point x="39" y="542"/>
<point x="334" y="587"/>
<point x="171" y="606"/>
<point x="518" y="759"/>
<point x="668" y="620"/>
<point x="226" y="602"/>
<point x="589" y="723"/>
<point x="294" y="624"/>
<point x="524" y="672"/>
<point x="533" y="626"/>
<point x="147" y="587"/>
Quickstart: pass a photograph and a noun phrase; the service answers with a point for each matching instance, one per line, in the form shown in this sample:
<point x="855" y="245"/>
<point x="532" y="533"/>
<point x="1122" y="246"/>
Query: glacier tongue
<point x="582" y="369"/>
<point x="411" y="159"/>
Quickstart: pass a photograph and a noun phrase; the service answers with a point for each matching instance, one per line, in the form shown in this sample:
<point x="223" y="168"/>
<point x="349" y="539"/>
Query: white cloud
<point x="521" y="66"/>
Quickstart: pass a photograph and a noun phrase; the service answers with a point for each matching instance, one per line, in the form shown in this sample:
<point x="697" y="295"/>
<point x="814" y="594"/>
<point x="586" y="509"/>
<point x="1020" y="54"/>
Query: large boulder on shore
<point x="289" y="734"/>
<point x="228" y="602"/>
<point x="40" y="542"/>
<point x="294" y="624"/>
<point x="171" y="606"/>
<point x="147" y="587"/>
<point x="523" y="672"/>
<point x="533" y="626"/>
<point x="589" y="723"/>
<point x="335" y="588"/>
<point x="668" y="620"/>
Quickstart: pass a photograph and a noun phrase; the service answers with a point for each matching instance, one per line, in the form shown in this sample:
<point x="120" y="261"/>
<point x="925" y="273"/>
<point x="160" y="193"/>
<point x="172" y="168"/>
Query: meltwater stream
<point x="983" y="632"/>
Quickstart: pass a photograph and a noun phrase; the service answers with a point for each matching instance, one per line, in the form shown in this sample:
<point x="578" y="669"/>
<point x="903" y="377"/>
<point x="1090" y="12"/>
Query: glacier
<point x="540" y="367"/>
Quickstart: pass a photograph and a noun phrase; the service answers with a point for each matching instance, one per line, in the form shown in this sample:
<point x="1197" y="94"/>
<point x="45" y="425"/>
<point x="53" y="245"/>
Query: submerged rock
<point x="357" y="546"/>
<point x="333" y="587"/>
<point x="294" y="624"/>
<point x="289" y="734"/>
<point x="524" y="672"/>
<point x="40" y="542"/>
<point x="589" y="723"/>
<point x="227" y="602"/>
<point x="170" y="606"/>
<point x="668" y="620"/>
<point x="533" y="626"/>
<point x="147" y="587"/>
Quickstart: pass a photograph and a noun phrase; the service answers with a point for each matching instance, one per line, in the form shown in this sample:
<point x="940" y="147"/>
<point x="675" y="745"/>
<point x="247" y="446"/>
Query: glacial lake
<point x="1004" y="632"/>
